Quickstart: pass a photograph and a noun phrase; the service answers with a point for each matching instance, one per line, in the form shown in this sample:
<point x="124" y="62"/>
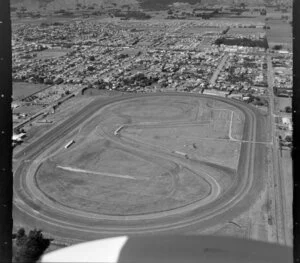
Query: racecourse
<point x="219" y="203"/>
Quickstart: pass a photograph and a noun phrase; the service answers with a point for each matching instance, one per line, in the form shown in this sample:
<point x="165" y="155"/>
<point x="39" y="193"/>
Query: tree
<point x="20" y="233"/>
<point x="30" y="248"/>
<point x="288" y="138"/>
<point x="288" y="109"/>
<point x="23" y="9"/>
<point x="20" y="237"/>
<point x="277" y="47"/>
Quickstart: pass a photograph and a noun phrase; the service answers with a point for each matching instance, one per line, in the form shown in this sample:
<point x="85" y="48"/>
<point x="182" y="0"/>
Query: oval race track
<point x="31" y="207"/>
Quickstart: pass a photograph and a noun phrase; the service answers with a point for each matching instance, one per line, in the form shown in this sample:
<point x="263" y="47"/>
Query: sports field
<point x="147" y="155"/>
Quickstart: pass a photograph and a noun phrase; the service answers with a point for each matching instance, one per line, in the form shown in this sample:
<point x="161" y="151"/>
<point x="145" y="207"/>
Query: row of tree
<point x="245" y="42"/>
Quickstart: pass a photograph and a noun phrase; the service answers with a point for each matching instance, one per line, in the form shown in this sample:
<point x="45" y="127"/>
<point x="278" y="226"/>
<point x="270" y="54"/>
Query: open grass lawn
<point x="24" y="89"/>
<point x="148" y="188"/>
<point x="282" y="102"/>
<point x="280" y="32"/>
<point x="201" y="30"/>
<point x="246" y="31"/>
<point x="287" y="174"/>
<point x="51" y="53"/>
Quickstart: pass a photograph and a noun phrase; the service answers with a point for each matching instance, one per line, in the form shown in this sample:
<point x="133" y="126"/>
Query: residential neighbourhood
<point x="140" y="117"/>
<point x="146" y="56"/>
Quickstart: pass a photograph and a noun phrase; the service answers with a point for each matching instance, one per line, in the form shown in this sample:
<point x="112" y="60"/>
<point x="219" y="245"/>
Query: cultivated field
<point x="147" y="155"/>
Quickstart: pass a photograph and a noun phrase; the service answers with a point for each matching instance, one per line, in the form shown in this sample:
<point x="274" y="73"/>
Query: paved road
<point x="218" y="70"/>
<point x="280" y="209"/>
<point x="54" y="219"/>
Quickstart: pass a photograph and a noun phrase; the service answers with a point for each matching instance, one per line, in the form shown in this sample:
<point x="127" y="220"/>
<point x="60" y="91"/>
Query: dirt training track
<point x="225" y="192"/>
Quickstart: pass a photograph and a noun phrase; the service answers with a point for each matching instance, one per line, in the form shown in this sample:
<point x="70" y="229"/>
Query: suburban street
<point x="219" y="68"/>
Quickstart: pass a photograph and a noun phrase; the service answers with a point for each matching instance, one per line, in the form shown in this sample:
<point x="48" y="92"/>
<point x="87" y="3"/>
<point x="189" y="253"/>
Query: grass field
<point x="287" y="174"/>
<point x="246" y="31"/>
<point x="51" y="53"/>
<point x="201" y="30"/>
<point x="282" y="102"/>
<point x="280" y="33"/>
<point x="23" y="89"/>
<point x="141" y="168"/>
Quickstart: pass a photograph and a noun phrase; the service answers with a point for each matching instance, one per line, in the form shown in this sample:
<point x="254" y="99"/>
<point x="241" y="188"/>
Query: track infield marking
<point x="97" y="173"/>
